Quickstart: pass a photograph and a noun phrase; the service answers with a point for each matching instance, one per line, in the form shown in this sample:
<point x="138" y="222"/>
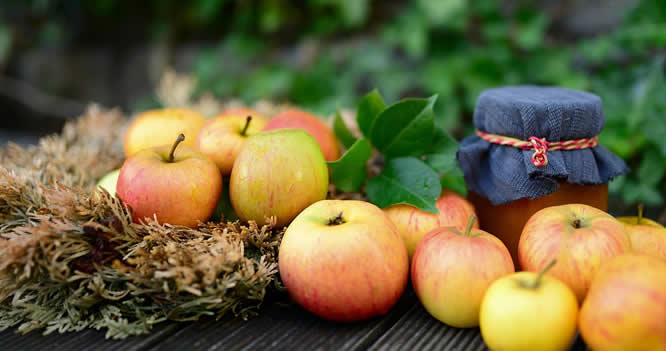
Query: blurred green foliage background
<point x="322" y="54"/>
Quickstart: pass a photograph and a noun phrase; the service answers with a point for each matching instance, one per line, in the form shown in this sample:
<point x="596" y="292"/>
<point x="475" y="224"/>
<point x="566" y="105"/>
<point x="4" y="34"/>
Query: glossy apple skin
<point x="550" y="234"/>
<point x="315" y="126"/>
<point x="648" y="236"/>
<point x="220" y="138"/>
<point x="109" y="181"/>
<point x="516" y="318"/>
<point x="161" y="127"/>
<point x="413" y="224"/>
<point x="347" y="272"/>
<point x="451" y="272"/>
<point x="626" y="306"/>
<point x="277" y="173"/>
<point x="242" y="111"/>
<point x="182" y="192"/>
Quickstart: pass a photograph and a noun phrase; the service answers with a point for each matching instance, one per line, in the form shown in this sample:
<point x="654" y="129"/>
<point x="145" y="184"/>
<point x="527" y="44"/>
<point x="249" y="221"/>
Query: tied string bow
<point x="539" y="145"/>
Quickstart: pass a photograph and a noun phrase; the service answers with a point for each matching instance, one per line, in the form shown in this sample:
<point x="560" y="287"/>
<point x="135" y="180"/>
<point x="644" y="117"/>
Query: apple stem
<point x="537" y="281"/>
<point x="470" y="223"/>
<point x="337" y="220"/>
<point x="640" y="213"/>
<point x="180" y="138"/>
<point x="247" y="125"/>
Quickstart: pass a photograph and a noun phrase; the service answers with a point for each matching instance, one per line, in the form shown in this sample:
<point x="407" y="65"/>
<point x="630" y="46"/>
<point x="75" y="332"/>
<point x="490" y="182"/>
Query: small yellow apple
<point x="647" y="236"/>
<point x="529" y="311"/>
<point x="109" y="181"/>
<point x="222" y="137"/>
<point x="158" y="127"/>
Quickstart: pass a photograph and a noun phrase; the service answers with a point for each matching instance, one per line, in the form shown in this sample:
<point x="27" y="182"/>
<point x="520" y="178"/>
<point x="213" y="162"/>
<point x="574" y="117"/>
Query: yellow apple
<point x="626" y="307"/>
<point x="413" y="224"/>
<point x="528" y="311"/>
<point x="109" y="181"/>
<point x="647" y="236"/>
<point x="159" y="127"/>
<point x="222" y="137"/>
<point x="453" y="267"/>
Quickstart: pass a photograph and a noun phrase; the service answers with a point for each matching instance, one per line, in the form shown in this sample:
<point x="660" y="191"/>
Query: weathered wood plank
<point x="88" y="340"/>
<point x="285" y="327"/>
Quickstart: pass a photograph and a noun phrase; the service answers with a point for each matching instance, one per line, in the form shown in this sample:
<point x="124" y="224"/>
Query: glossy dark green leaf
<point x="370" y="106"/>
<point x="342" y="132"/>
<point x="405" y="180"/>
<point x="405" y="128"/>
<point x="453" y="180"/>
<point x="349" y="172"/>
<point x="441" y="154"/>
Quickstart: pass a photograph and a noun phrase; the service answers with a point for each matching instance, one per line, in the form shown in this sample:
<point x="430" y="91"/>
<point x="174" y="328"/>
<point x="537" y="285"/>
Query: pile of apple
<point x="347" y="260"/>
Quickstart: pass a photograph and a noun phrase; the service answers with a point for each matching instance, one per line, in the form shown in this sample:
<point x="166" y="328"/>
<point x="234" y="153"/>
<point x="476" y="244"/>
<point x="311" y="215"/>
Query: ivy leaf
<point x="349" y="172"/>
<point x="342" y="132"/>
<point x="405" y="180"/>
<point x="405" y="128"/>
<point x="369" y="108"/>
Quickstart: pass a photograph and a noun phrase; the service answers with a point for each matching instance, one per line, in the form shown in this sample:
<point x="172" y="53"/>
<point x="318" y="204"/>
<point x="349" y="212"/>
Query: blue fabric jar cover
<point x="504" y="173"/>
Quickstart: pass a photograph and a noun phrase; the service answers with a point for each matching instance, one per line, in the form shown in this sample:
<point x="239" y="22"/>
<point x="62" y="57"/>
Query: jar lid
<point x="504" y="173"/>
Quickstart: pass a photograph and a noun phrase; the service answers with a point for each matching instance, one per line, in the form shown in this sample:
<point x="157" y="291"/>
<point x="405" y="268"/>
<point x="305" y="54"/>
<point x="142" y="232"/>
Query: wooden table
<point x="278" y="327"/>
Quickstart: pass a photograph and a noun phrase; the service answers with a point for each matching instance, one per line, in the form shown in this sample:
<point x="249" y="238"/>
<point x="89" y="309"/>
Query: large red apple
<point x="343" y="260"/>
<point x="222" y="137"/>
<point x="580" y="237"/>
<point x="626" y="306"/>
<point x="179" y="186"/>
<point x="452" y="268"/>
<point x="314" y="125"/>
<point x="413" y="224"/>
<point x="277" y="173"/>
<point x="647" y="236"/>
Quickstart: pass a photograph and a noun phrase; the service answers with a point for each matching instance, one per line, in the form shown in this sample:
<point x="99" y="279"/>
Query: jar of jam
<point x="534" y="147"/>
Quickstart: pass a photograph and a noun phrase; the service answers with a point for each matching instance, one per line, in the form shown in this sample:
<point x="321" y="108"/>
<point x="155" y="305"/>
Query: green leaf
<point x="441" y="154"/>
<point x="405" y="180"/>
<point x="369" y="108"/>
<point x="342" y="132"/>
<point x="455" y="181"/>
<point x="349" y="172"/>
<point x="405" y="128"/>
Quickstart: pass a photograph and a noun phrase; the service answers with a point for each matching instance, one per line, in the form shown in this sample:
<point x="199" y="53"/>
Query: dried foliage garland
<point x="71" y="258"/>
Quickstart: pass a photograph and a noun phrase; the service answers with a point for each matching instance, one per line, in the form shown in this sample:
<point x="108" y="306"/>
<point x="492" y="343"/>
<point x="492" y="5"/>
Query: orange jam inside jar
<point x="534" y="147"/>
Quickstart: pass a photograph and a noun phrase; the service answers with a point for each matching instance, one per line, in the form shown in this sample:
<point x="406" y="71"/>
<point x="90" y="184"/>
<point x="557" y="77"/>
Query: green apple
<point x="529" y="311"/>
<point x="179" y="188"/>
<point x="108" y="182"/>
<point x="277" y="173"/>
<point x="343" y="260"/>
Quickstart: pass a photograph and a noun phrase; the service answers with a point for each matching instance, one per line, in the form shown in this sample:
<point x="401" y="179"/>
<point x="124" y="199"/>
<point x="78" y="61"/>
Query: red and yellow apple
<point x="646" y="235"/>
<point x="343" y="260"/>
<point x="452" y="268"/>
<point x="626" y="306"/>
<point x="176" y="184"/>
<point x="277" y="173"/>
<point x="242" y="111"/>
<point x="526" y="311"/>
<point x="222" y="137"/>
<point x="159" y="127"/>
<point x="413" y="224"/>
<point x="580" y="237"/>
<point x="312" y="124"/>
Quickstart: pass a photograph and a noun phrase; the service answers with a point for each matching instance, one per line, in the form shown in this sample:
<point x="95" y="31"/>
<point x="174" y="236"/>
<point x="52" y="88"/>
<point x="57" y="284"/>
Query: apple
<point x="299" y="119"/>
<point x="158" y="127"/>
<point x="343" y="260"/>
<point x="413" y="223"/>
<point x="109" y="181"/>
<point x="242" y="111"/>
<point x="529" y="311"/>
<point x="647" y="236"/>
<point x="180" y="188"/>
<point x="626" y="306"/>
<point x="277" y="173"/>
<point x="580" y="237"/>
<point x="453" y="267"/>
<point x="222" y="137"/>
